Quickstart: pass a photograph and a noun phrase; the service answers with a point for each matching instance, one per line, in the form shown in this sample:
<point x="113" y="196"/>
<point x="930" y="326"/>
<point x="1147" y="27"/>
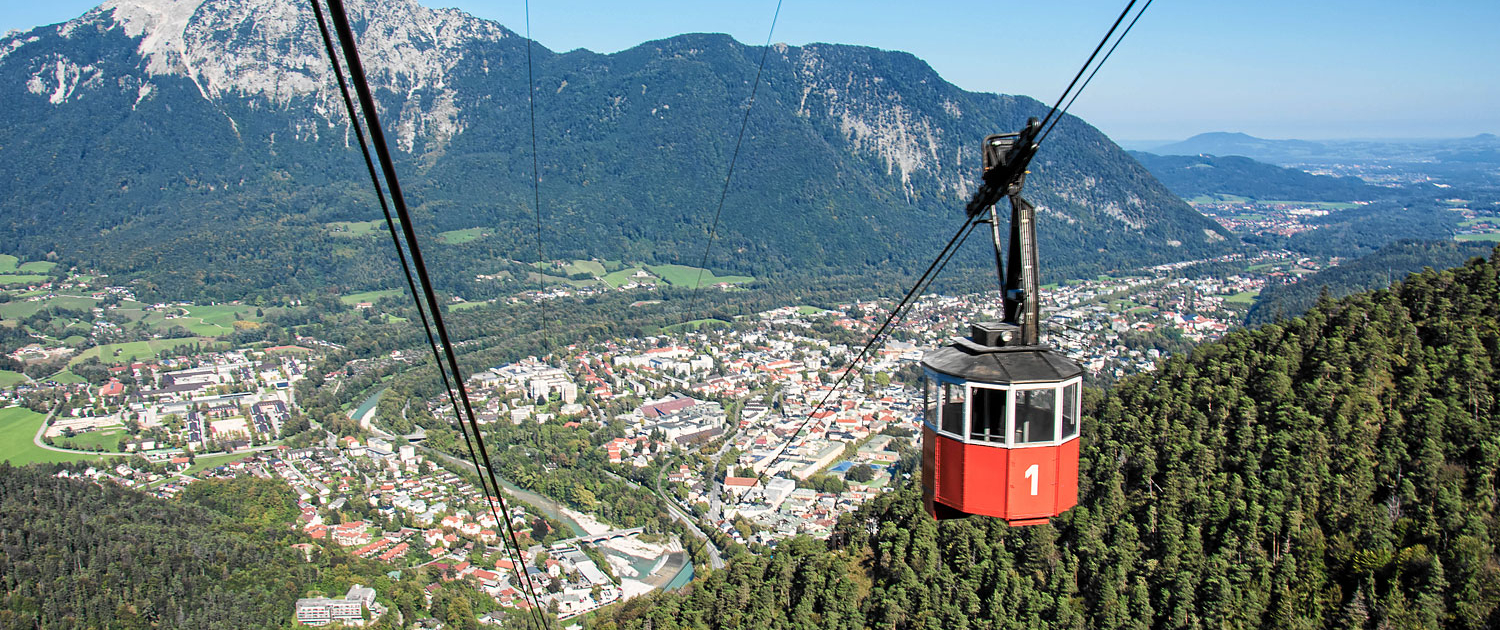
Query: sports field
<point x="18" y="425"/>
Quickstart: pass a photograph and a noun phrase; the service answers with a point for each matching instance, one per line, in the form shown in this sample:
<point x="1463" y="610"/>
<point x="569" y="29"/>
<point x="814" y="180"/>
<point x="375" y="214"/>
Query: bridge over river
<point x="601" y="537"/>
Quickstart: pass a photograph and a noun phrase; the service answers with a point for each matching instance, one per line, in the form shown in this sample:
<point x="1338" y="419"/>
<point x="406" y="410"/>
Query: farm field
<point x="625" y="276"/>
<point x="136" y="350"/>
<point x="685" y="276"/>
<point x="369" y="296"/>
<point x="18" y="425"/>
<point x="1493" y="237"/>
<point x="19" y="310"/>
<point x="696" y="324"/>
<point x="1244" y="297"/>
<point x="206" y="462"/>
<point x="584" y="266"/>
<point x="356" y="228"/>
<point x="459" y="237"/>
<point x="9" y="378"/>
<point x="20" y="279"/>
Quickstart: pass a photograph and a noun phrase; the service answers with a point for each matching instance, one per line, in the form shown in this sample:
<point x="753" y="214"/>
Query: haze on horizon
<point x="1276" y="69"/>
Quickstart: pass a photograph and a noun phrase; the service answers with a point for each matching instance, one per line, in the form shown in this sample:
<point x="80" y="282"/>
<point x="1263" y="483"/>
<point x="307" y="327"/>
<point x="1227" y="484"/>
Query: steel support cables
<point x="377" y="139"/>
<point x="734" y="157"/>
<point x="1048" y="131"/>
<point x="536" y="172"/>
<point x="918" y="288"/>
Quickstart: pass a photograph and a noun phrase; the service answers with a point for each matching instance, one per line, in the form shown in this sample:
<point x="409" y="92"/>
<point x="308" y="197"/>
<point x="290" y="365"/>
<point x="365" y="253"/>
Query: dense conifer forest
<point x="1332" y="471"/>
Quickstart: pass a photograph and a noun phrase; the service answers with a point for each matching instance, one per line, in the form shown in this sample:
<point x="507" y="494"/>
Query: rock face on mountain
<point x="203" y="141"/>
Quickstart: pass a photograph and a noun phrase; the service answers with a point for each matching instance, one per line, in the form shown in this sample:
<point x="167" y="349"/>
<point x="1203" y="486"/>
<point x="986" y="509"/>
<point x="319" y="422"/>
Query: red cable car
<point x="1002" y="411"/>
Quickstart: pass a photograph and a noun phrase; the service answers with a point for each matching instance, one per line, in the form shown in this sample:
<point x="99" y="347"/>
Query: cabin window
<point x="929" y="401"/>
<point x="953" y="409"/>
<point x="1036" y="415"/>
<point x="1070" y="411"/>
<point x="987" y="411"/>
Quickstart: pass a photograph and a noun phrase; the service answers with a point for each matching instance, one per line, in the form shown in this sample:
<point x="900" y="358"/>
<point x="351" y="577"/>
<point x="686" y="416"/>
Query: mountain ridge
<point x="847" y="149"/>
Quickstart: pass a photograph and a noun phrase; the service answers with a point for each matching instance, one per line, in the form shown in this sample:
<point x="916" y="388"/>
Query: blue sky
<point x="1270" y="68"/>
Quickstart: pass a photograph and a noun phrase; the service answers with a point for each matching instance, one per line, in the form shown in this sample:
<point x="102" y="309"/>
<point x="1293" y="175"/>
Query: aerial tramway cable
<point x="536" y="172"/>
<point x="733" y="158"/>
<point x="1086" y="64"/>
<point x="1081" y="88"/>
<point x="377" y="138"/>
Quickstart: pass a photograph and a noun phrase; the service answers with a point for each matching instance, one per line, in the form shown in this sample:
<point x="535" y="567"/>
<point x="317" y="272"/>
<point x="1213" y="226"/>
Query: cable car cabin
<point x="1000" y="430"/>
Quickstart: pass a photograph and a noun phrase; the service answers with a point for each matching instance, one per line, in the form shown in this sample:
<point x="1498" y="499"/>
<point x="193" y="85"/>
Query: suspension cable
<point x="734" y="157"/>
<point x="391" y="227"/>
<point x="377" y="138"/>
<point x="1087" y="63"/>
<point x="1048" y="131"/>
<point x="936" y="267"/>
<point x="536" y="173"/>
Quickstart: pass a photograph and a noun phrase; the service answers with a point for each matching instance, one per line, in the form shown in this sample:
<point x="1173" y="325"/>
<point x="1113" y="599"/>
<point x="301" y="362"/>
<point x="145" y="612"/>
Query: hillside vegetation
<point x="1333" y="471"/>
<point x="1378" y="270"/>
<point x="1191" y="176"/>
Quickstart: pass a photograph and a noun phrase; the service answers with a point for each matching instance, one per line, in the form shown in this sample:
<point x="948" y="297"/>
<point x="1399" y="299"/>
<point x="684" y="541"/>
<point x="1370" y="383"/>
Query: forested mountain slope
<point x="1191" y="176"/>
<point x="75" y="554"/>
<point x="200" y="146"/>
<point x="1377" y="270"/>
<point x="1336" y="470"/>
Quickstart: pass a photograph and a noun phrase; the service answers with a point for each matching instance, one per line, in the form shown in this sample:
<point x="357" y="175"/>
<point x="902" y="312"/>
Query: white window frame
<point x="1060" y="389"/>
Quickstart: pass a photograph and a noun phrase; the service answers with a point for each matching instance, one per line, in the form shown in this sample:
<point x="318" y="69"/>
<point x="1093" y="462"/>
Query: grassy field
<point x="685" y="276"/>
<point x="459" y="237"/>
<point x="356" y="228"/>
<point x="20" y="279"/>
<point x="65" y="377"/>
<point x="18" y="310"/>
<point x="1268" y="265"/>
<point x="547" y="279"/>
<point x="809" y="310"/>
<point x="623" y="277"/>
<point x="37" y="266"/>
<point x="9" y="378"/>
<point x="696" y="324"/>
<point x="18" y="425"/>
<point x="584" y="266"/>
<point x="1478" y="220"/>
<point x="206" y="462"/>
<point x="1219" y="199"/>
<point x="1244" y="297"/>
<point x="369" y="296"/>
<point x="466" y="305"/>
<point x="8" y="263"/>
<point x="1493" y="237"/>
<point x="136" y="350"/>
<point x="107" y="440"/>
<point x="1323" y="205"/>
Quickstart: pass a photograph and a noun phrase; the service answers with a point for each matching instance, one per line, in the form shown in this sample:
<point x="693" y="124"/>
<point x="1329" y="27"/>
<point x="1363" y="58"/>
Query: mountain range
<point x="200" y="147"/>
<point x="1481" y="148"/>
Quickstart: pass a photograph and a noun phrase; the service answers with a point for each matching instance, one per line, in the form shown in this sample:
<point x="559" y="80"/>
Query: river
<point x="365" y="407"/>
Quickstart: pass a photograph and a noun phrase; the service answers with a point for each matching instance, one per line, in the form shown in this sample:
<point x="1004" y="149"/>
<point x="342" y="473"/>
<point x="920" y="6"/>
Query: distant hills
<point x="1479" y="148"/>
<point x="200" y="148"/>
<point x="1193" y="175"/>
